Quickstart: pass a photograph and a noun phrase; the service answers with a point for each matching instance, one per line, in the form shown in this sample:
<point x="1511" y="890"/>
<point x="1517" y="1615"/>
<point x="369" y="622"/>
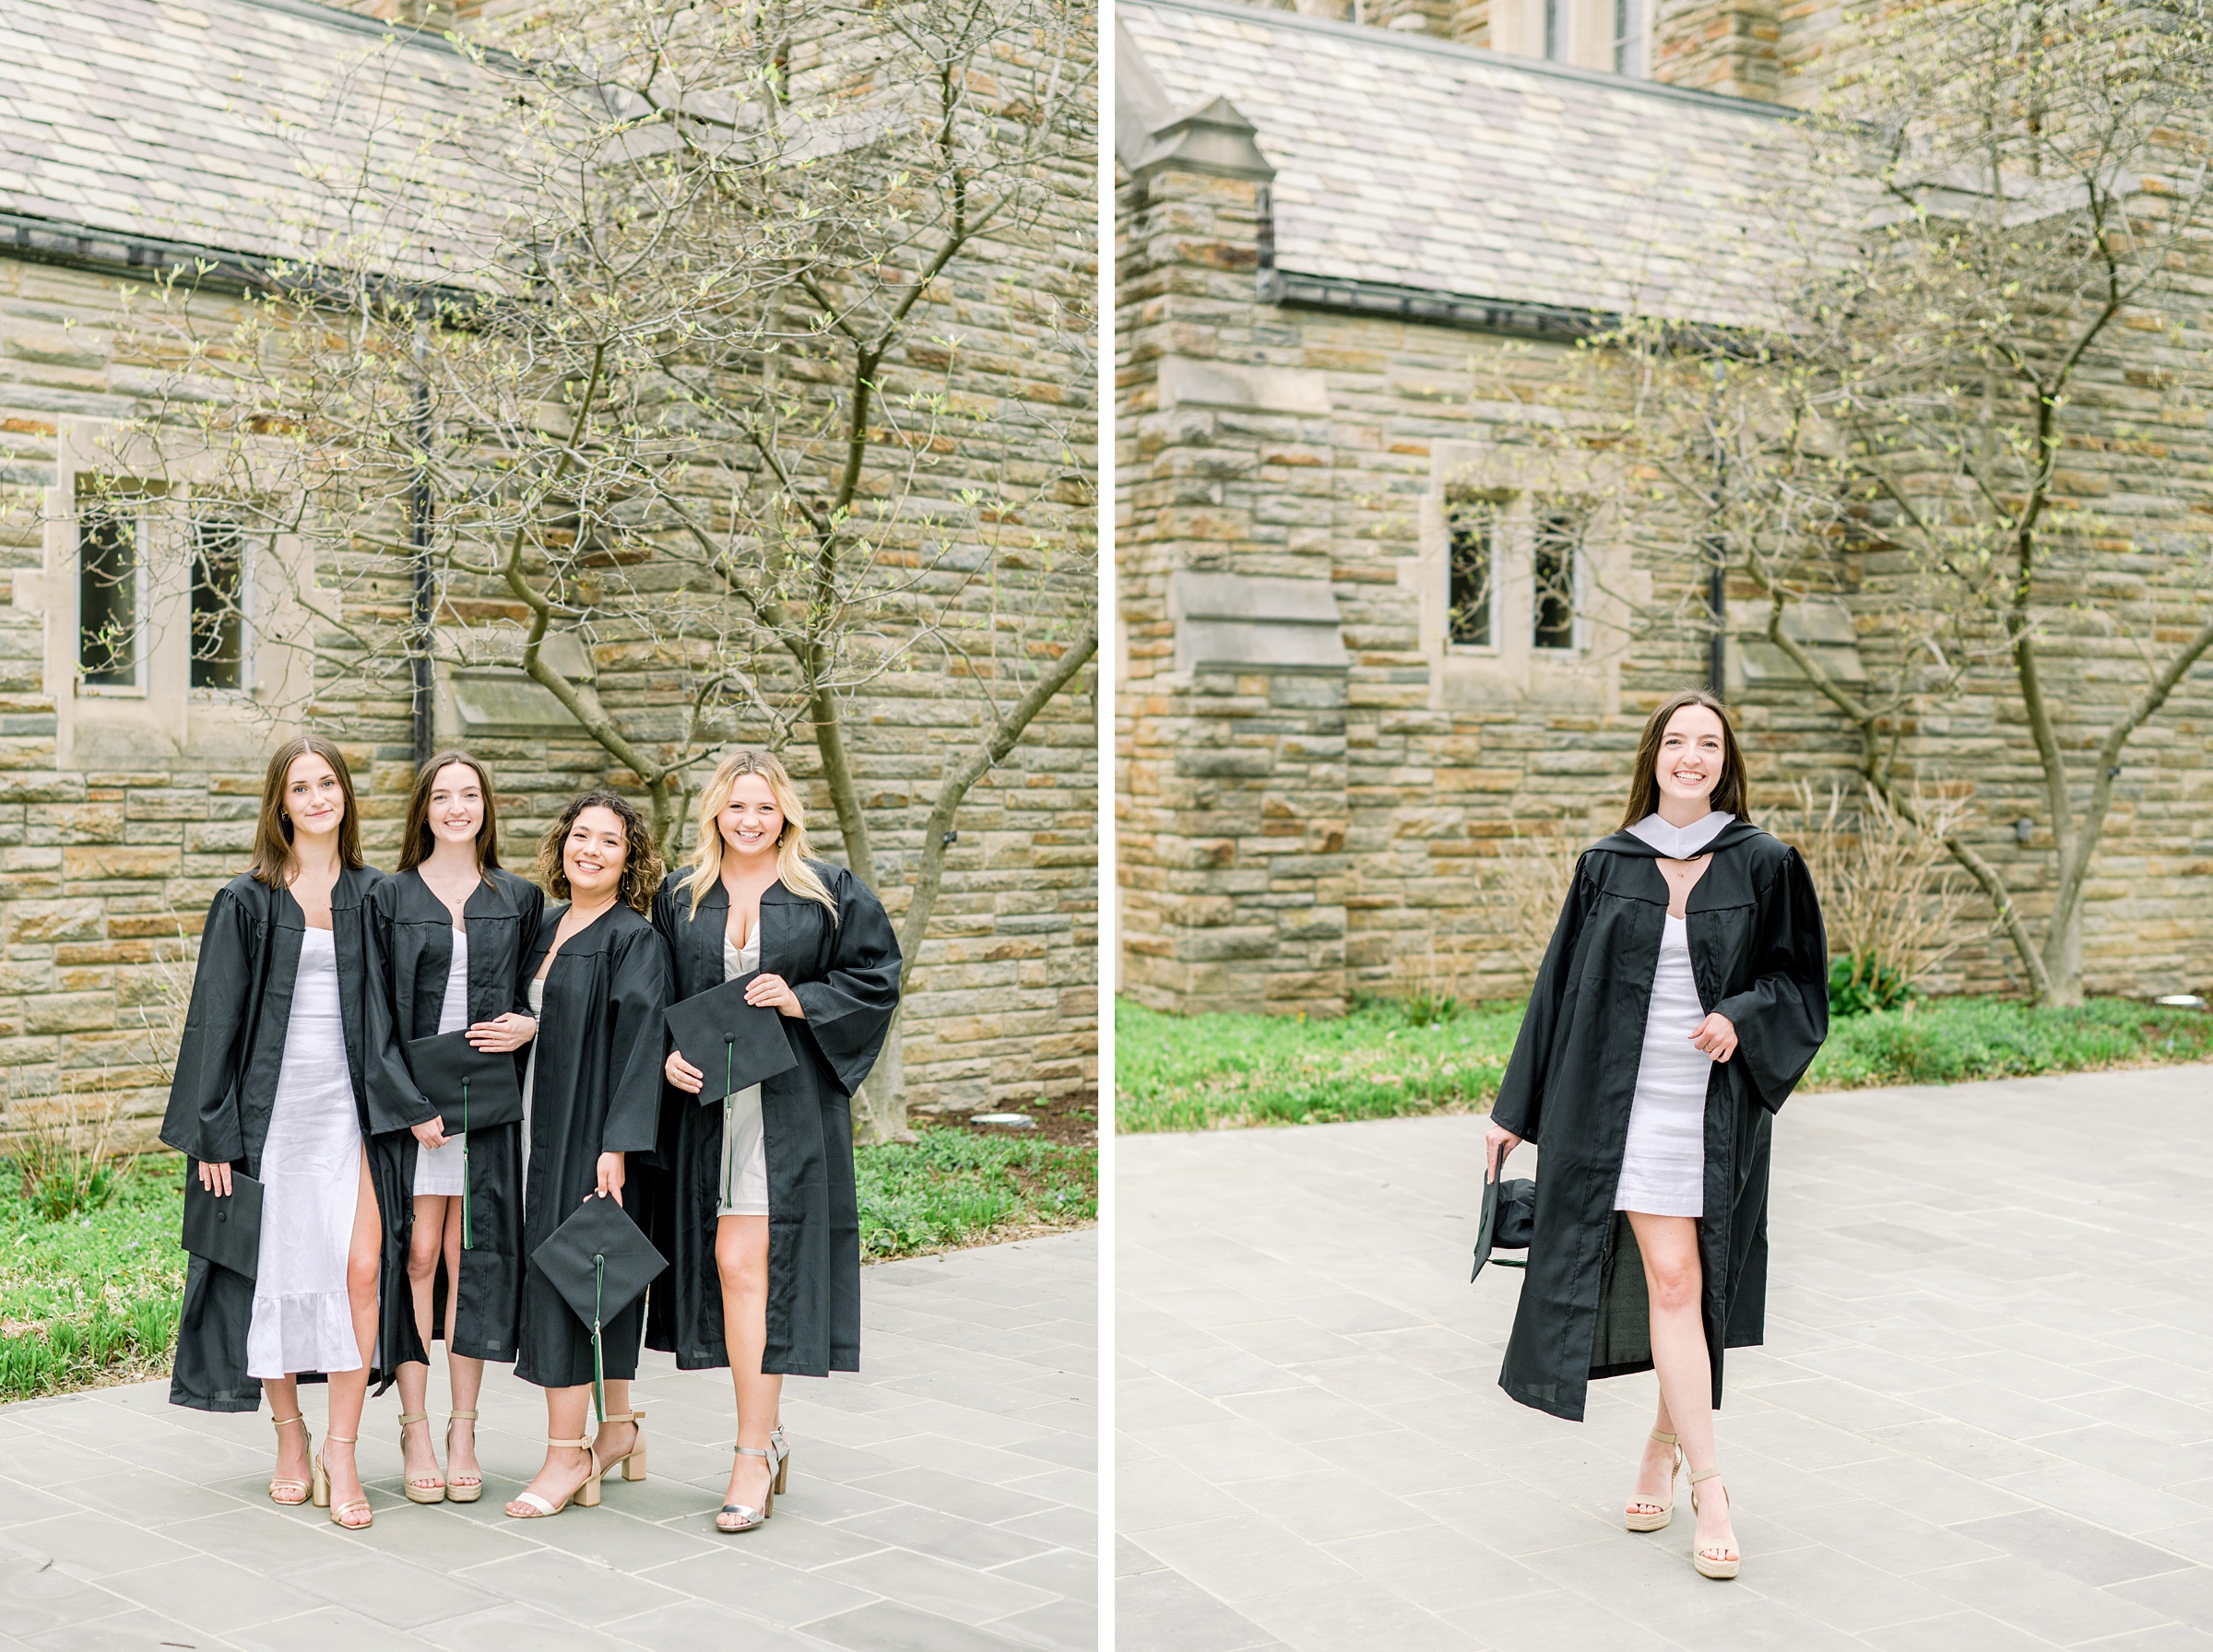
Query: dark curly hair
<point x="641" y="861"/>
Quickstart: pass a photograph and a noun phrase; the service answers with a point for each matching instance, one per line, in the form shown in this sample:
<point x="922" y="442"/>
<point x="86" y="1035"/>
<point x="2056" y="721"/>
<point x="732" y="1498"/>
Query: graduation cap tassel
<point x="598" y="1358"/>
<point x="729" y="1159"/>
<point x="466" y="1243"/>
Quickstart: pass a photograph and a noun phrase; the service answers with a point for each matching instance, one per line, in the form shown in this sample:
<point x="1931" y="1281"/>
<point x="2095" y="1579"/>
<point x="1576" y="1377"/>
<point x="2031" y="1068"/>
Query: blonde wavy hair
<point x="793" y="850"/>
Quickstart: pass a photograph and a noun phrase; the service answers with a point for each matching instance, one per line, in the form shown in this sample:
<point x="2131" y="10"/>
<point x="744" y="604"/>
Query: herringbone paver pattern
<point x="1982" y="1422"/>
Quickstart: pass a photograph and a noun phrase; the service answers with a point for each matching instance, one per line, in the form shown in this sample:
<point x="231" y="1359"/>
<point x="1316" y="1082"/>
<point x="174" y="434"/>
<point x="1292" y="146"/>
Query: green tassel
<point x="730" y="1160"/>
<point x="467" y="1242"/>
<point x="598" y="1358"/>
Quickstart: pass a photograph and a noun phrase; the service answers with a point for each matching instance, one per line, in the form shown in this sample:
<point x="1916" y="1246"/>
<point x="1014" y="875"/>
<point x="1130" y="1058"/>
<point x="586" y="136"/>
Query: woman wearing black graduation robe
<point x="241" y="1085"/>
<point x="1611" y="1287"/>
<point x="591" y="1101"/>
<point x="469" y="1291"/>
<point x="829" y="963"/>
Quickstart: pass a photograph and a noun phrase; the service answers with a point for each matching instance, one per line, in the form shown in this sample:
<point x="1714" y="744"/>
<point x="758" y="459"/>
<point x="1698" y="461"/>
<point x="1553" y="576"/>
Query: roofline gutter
<point x="1518" y="318"/>
<point x="120" y="252"/>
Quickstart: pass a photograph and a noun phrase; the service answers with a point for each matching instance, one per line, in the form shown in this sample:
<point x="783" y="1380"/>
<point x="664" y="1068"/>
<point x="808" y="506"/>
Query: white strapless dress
<point x="1664" y="1163"/>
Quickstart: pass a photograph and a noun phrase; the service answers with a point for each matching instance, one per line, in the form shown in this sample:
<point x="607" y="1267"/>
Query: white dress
<point x="440" y="1169"/>
<point x="744" y="1143"/>
<point x="1663" y="1161"/>
<point x="311" y="1178"/>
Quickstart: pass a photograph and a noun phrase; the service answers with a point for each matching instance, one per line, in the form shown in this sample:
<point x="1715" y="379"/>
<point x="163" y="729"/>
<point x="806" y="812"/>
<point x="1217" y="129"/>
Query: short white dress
<point x="440" y="1170"/>
<point x="1663" y="1160"/>
<point x="311" y="1179"/>
<point x="744" y="1142"/>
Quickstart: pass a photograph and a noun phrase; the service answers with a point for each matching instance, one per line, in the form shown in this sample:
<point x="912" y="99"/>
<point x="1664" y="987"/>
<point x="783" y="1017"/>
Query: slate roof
<point x="1422" y="163"/>
<point x="198" y="121"/>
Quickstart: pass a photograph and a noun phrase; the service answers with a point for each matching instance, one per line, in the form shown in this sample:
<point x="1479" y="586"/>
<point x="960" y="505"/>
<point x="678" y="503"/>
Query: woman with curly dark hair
<point x="599" y="981"/>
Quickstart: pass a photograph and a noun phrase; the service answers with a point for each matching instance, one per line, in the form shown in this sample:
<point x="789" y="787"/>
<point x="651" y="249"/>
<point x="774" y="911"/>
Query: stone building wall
<point x="106" y="865"/>
<point x="1308" y="809"/>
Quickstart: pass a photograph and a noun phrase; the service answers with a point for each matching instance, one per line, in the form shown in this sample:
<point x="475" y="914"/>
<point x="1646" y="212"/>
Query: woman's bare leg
<point x="465" y="1372"/>
<point x="1675" y="1287"/>
<point x="349" y="1389"/>
<point x="423" y="1245"/>
<point x="741" y="1261"/>
<point x="613" y="1440"/>
<point x="292" y="1457"/>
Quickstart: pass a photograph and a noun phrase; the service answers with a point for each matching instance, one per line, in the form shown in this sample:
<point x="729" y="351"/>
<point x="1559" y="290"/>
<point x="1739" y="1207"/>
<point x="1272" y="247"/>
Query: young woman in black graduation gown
<point x="591" y="1097"/>
<point x="1684" y="993"/>
<point x="755" y="1207"/>
<point x="451" y="932"/>
<point x="272" y="1081"/>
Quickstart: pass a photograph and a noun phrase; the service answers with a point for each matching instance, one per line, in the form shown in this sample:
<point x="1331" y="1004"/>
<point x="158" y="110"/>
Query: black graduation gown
<point x="225" y="1087"/>
<point x="596" y="1089"/>
<point x="1760" y="959"/>
<point x="411" y="935"/>
<point x="845" y="975"/>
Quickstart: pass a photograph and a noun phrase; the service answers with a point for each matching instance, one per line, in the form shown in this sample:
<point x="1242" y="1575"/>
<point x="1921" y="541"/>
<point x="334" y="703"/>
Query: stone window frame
<point x="163" y="718"/>
<point x="1516" y="479"/>
<point x="1593" y="38"/>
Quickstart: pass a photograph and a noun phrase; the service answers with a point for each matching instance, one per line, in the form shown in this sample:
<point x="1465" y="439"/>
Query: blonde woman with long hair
<point x="759" y="1189"/>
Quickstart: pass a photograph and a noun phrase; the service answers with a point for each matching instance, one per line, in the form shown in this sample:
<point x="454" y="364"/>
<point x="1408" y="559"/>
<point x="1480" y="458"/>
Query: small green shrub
<point x="956" y="1186"/>
<point x="1859" y="985"/>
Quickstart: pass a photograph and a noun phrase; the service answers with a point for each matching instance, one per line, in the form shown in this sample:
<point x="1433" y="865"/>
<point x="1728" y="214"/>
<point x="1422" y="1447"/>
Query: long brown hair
<point x="417" y="841"/>
<point x="273" y="832"/>
<point x="1732" y="793"/>
<point x="641" y="861"/>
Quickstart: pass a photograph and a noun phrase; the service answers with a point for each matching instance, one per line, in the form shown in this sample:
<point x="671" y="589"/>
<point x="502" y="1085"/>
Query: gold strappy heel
<point x="456" y="1489"/>
<point x="417" y="1492"/>
<point x="632" y="1462"/>
<point x="284" y="1490"/>
<point x="337" y="1514"/>
<point x="743" y="1516"/>
<point x="1715" y="1561"/>
<point x="1654" y="1515"/>
<point x="585" y="1496"/>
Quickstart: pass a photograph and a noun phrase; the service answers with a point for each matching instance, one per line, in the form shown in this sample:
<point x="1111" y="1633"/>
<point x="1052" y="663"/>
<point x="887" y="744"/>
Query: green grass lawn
<point x="1224" y="1071"/>
<point x="92" y="1299"/>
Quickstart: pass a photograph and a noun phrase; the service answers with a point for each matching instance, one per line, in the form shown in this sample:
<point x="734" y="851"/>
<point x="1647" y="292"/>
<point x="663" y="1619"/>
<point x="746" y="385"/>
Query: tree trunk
<point x="879" y="1113"/>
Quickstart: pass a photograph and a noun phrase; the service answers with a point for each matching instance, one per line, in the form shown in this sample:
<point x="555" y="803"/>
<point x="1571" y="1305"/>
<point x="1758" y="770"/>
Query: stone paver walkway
<point x="942" y="1499"/>
<point x="1982" y="1422"/>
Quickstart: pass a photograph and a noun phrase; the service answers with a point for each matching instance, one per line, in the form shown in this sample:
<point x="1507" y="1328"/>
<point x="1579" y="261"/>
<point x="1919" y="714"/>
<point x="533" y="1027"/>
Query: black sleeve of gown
<point x="639" y="993"/>
<point x="849" y="1010"/>
<point x="395" y="1101"/>
<point x="1519" y="1107"/>
<point x="202" y="1120"/>
<point x="532" y="905"/>
<point x="1782" y="1017"/>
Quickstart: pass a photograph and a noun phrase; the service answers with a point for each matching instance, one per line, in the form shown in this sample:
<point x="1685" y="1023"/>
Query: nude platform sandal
<point x="1643" y="1516"/>
<point x="460" y="1491"/>
<point x="418" y="1493"/>
<point x="632" y="1462"/>
<point x="284" y="1490"/>
<point x="337" y="1514"/>
<point x="1714" y="1561"/>
<point x="585" y="1496"/>
<point x="777" y="1444"/>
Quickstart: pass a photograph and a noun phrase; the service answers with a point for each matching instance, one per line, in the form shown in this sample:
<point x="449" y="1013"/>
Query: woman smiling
<point x="598" y="983"/>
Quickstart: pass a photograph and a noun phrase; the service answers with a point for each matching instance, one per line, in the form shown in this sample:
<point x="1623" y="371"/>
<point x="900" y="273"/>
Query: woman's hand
<point x="610" y="1175"/>
<point x="772" y="992"/>
<point x="682" y="1074"/>
<point x="502" y="1033"/>
<point x="1717" y="1036"/>
<point x="431" y="1132"/>
<point x="1496" y="1143"/>
<point x="215" y="1178"/>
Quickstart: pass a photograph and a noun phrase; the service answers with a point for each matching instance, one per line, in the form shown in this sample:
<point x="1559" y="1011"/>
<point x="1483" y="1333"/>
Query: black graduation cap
<point x="227" y="1230"/>
<point x="601" y="1262"/>
<point x="735" y="1043"/>
<point x="1510" y="1216"/>
<point x="472" y="1089"/>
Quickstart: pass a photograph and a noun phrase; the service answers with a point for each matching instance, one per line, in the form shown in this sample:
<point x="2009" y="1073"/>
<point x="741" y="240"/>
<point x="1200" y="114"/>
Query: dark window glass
<point x="107" y="600"/>
<point x="1628" y="36"/>
<point x="218" y="587"/>
<point x="1474" y="531"/>
<point x="1556" y="535"/>
<point x="1556" y="29"/>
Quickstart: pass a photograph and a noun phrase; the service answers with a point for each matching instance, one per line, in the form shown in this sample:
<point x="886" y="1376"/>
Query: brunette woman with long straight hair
<point x="451" y="931"/>
<point x="1683" y="996"/>
<point x="273" y="1082"/>
<point x="758" y="1216"/>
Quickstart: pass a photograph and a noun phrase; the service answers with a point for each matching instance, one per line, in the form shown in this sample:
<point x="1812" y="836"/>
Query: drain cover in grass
<point x="1012" y="1121"/>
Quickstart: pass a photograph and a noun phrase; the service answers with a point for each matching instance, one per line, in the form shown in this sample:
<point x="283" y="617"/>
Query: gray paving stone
<point x="125" y="1522"/>
<point x="1961" y="1434"/>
